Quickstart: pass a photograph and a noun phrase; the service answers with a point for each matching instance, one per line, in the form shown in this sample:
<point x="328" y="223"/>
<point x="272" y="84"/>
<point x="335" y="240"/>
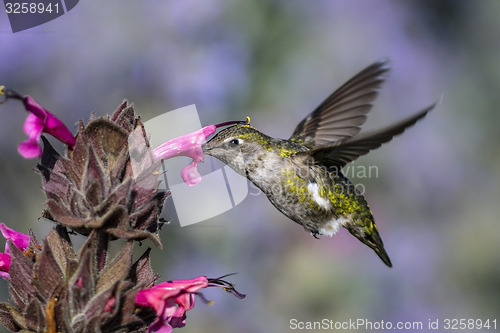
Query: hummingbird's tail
<point x="371" y="238"/>
<point x="378" y="247"/>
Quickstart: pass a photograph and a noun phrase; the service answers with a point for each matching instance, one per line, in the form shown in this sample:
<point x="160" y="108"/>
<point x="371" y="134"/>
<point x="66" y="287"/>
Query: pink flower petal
<point x="187" y="145"/>
<point x="190" y="174"/>
<point x="58" y="130"/>
<point x="170" y="300"/>
<point x="39" y="121"/>
<point x="51" y="124"/>
<point x="159" y="327"/>
<point x="34" y="108"/>
<point x="33" y="127"/>
<point x="18" y="238"/>
<point x="29" y="149"/>
<point x="4" y="265"/>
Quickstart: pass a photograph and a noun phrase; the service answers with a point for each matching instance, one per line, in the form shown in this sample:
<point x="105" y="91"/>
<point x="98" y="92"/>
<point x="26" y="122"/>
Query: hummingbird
<point x="302" y="176"/>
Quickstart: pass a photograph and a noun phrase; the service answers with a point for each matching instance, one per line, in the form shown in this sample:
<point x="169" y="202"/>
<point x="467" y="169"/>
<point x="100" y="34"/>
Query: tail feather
<point x="372" y="240"/>
<point x="379" y="249"/>
<point x="375" y="243"/>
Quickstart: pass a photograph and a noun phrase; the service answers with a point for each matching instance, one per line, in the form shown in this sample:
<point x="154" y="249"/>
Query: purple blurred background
<point x="437" y="187"/>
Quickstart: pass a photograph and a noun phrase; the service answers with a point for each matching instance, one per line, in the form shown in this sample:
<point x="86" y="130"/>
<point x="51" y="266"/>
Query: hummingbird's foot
<point x="315" y="234"/>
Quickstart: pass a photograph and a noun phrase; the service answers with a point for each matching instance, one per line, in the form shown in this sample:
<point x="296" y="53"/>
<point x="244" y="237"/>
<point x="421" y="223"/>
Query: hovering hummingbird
<point x="302" y="176"/>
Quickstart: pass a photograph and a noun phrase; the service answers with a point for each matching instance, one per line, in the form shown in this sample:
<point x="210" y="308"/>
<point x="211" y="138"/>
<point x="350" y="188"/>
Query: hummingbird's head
<point x="236" y="146"/>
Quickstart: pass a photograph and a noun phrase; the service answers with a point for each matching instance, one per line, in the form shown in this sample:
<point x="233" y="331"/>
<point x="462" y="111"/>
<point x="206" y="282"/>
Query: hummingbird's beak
<point x="205" y="148"/>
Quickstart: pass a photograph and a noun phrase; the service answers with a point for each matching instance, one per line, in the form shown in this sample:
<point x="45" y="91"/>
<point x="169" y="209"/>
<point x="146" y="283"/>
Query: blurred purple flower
<point x="19" y="239"/>
<point x="172" y="299"/>
<point x="39" y="121"/>
<point x="187" y="145"/>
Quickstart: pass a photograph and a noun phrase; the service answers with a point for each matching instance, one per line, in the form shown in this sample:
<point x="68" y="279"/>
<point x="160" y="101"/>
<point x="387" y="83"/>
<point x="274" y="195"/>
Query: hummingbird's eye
<point x="234" y="142"/>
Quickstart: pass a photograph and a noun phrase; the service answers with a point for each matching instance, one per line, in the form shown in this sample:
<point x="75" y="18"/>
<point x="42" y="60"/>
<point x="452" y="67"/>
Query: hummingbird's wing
<point x="344" y="151"/>
<point x="344" y="111"/>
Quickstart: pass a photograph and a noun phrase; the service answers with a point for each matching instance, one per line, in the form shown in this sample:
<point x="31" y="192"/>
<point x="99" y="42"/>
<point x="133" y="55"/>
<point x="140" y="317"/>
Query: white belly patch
<point x="322" y="202"/>
<point x="331" y="228"/>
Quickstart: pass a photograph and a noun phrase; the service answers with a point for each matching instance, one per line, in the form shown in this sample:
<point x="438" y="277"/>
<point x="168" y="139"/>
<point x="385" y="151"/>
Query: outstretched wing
<point x="344" y="111"/>
<point x="347" y="150"/>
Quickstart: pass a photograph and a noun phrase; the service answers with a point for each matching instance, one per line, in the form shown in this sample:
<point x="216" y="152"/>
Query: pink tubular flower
<point x="172" y="299"/>
<point x="19" y="239"/>
<point x="4" y="265"/>
<point x="39" y="121"/>
<point x="187" y="145"/>
<point x="190" y="145"/>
